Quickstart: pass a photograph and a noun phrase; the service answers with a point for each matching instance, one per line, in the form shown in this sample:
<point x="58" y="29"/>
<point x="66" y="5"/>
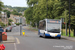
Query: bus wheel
<point x="59" y="37"/>
<point x="40" y="36"/>
<point x="44" y="35"/>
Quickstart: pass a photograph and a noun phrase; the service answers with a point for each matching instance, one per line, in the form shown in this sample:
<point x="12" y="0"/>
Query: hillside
<point x="19" y="9"/>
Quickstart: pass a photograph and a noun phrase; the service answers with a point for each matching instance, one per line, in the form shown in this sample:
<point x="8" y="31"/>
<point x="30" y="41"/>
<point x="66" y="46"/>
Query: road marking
<point x="18" y="42"/>
<point x="15" y="46"/>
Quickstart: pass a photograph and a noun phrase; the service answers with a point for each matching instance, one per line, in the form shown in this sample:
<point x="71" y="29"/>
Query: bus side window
<point x="42" y="25"/>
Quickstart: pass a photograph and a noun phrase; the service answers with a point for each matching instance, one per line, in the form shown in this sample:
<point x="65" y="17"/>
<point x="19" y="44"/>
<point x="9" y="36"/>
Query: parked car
<point x="1" y="30"/>
<point x="1" y="27"/>
<point x="8" y="29"/>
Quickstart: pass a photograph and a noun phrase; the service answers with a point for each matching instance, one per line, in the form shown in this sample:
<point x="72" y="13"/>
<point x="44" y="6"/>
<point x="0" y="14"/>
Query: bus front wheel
<point x="44" y="35"/>
<point x="59" y="37"/>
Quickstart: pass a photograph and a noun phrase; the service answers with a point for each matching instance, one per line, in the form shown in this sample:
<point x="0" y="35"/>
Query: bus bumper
<point x="48" y="35"/>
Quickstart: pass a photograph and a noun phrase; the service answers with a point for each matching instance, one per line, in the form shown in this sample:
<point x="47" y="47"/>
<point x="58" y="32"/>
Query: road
<point x="33" y="42"/>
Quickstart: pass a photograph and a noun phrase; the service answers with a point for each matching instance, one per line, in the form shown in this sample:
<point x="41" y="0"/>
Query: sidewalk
<point x="65" y="37"/>
<point x="10" y="39"/>
<point x="68" y="38"/>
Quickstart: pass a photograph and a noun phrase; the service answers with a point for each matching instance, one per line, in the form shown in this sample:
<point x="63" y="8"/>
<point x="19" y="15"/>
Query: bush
<point x="9" y="23"/>
<point x="2" y="24"/>
<point x="17" y="23"/>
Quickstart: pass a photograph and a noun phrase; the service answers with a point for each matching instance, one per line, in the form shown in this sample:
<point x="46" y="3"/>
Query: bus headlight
<point x="59" y="34"/>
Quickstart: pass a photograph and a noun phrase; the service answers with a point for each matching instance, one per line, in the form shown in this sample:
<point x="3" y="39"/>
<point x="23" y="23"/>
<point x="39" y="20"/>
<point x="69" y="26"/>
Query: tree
<point x="2" y="24"/>
<point x="7" y="12"/>
<point x="32" y="2"/>
<point x="56" y="10"/>
<point x="29" y="14"/>
<point x="14" y="12"/>
<point x="10" y="20"/>
<point x="1" y="6"/>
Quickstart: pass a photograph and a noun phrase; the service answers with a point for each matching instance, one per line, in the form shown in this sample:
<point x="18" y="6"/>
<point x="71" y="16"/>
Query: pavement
<point x="10" y="39"/>
<point x="64" y="37"/>
<point x="68" y="38"/>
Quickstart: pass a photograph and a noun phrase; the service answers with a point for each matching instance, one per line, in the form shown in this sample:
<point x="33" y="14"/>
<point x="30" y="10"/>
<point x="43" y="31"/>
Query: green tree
<point x="1" y="6"/>
<point x="7" y="12"/>
<point x="2" y="24"/>
<point x="10" y="20"/>
<point x="29" y="14"/>
<point x="56" y="10"/>
<point x="32" y="2"/>
<point x="65" y="3"/>
<point x="14" y="12"/>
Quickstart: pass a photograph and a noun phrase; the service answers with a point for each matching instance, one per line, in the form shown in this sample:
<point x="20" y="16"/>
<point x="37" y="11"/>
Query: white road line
<point x="15" y="46"/>
<point x="18" y="42"/>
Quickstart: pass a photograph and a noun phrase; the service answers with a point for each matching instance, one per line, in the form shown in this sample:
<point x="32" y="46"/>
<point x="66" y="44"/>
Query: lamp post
<point x="5" y="18"/>
<point x="69" y="18"/>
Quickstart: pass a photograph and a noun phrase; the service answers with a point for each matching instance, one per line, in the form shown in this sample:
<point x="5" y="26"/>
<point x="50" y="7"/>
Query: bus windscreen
<point x="53" y="27"/>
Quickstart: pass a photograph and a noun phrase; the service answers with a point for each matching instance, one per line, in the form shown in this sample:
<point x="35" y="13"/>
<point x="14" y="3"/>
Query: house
<point x="12" y="17"/>
<point x="23" y="21"/>
<point x="17" y="19"/>
<point x="3" y="18"/>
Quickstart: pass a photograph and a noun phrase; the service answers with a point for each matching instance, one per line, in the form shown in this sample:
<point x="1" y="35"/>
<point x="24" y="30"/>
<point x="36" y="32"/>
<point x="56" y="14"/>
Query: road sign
<point x="23" y="32"/>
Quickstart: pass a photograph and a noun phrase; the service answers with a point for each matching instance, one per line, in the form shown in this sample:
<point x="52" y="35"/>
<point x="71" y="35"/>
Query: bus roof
<point x="53" y="19"/>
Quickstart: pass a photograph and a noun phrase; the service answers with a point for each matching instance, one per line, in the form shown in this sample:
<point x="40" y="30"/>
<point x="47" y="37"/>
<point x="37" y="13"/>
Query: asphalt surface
<point x="31" y="41"/>
<point x="15" y="31"/>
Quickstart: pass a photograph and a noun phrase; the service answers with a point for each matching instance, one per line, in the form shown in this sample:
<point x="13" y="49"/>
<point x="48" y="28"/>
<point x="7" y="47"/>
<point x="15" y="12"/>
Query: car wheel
<point x="6" y="30"/>
<point x="40" y="36"/>
<point x="10" y="30"/>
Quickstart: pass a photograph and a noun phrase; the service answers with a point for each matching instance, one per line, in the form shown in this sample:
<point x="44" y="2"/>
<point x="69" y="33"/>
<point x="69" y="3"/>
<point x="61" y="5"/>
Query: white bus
<point x="50" y="28"/>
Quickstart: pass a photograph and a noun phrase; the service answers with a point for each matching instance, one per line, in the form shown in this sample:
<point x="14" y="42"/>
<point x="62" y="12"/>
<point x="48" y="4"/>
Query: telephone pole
<point x="47" y="7"/>
<point x="69" y="18"/>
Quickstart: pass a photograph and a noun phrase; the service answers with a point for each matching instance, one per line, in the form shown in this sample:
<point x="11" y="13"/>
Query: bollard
<point x="0" y="36"/>
<point x="23" y="32"/>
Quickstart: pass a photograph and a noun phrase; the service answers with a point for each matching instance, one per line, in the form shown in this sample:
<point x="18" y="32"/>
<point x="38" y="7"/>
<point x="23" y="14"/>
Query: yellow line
<point x="18" y="42"/>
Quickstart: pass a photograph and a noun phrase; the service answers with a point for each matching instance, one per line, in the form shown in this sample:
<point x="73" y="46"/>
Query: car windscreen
<point x="8" y="28"/>
<point x="1" y="30"/>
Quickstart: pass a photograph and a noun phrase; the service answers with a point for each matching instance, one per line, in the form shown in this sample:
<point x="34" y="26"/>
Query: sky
<point x="14" y="3"/>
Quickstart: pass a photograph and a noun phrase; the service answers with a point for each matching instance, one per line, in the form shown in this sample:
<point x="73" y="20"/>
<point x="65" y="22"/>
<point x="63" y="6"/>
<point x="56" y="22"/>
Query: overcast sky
<point x="18" y="3"/>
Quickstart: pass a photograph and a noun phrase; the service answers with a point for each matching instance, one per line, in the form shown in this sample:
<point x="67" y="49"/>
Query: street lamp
<point x="69" y="18"/>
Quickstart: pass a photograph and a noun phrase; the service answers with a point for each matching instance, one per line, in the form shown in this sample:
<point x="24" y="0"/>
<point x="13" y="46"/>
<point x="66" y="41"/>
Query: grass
<point x="30" y="27"/>
<point x="64" y="33"/>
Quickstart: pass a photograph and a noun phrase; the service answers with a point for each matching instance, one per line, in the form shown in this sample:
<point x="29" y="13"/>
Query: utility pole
<point x="69" y="18"/>
<point x="20" y="29"/>
<point x="47" y="7"/>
